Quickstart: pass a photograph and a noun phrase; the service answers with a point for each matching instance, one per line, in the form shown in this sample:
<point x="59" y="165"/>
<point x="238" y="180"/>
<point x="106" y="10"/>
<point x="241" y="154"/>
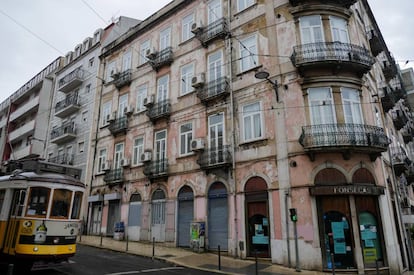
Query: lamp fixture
<point x="262" y="74"/>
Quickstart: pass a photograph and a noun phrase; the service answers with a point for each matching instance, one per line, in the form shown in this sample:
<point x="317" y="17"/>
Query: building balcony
<point x="67" y="106"/>
<point x="407" y="133"/>
<point x="118" y="126"/>
<point x="71" y="80"/>
<point x="63" y="159"/>
<point x="218" y="29"/>
<point x="389" y="99"/>
<point x="375" y="43"/>
<point x="399" y="118"/>
<point x="342" y="3"/>
<point x="159" y="110"/>
<point x="389" y="69"/>
<point x="114" y="176"/>
<point x="335" y="56"/>
<point x="156" y="169"/>
<point x="215" y="158"/>
<point x="344" y="138"/>
<point x="399" y="160"/>
<point x="213" y="90"/>
<point x="23" y="109"/>
<point x="161" y="59"/>
<point x="409" y="174"/>
<point x="32" y="150"/>
<point x="22" y="131"/>
<point x="63" y="134"/>
<point x="122" y="79"/>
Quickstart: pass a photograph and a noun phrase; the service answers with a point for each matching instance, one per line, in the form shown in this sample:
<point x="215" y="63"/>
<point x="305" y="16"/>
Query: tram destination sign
<point x="354" y="189"/>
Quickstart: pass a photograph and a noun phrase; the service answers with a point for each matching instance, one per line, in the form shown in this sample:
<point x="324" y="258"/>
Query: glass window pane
<point x="61" y="203"/>
<point x="38" y="202"/>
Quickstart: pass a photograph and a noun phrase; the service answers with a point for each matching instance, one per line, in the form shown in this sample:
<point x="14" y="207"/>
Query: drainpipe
<point x="287" y="194"/>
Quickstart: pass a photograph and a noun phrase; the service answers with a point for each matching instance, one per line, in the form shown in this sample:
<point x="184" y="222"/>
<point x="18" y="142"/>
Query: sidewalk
<point x="187" y="258"/>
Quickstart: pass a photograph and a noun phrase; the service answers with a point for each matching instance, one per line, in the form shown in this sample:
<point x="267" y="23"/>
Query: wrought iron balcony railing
<point x="400" y="160"/>
<point x="399" y="119"/>
<point x="159" y="110"/>
<point x="162" y="58"/>
<point x="123" y="79"/>
<point x="342" y="3"/>
<point x="218" y="29"/>
<point x="63" y="159"/>
<point x="212" y="158"/>
<point x="71" y="80"/>
<point x="218" y="88"/>
<point x="332" y="53"/>
<point x="374" y="43"/>
<point x="114" y="176"/>
<point x="118" y="126"/>
<point x="67" y="106"/>
<point x="389" y="69"/>
<point x="156" y="169"/>
<point x="64" y="133"/>
<point x="344" y="137"/>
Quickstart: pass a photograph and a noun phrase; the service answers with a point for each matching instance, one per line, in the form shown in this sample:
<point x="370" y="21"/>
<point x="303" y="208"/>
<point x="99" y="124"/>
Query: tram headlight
<point x="35" y="249"/>
<point x="56" y="240"/>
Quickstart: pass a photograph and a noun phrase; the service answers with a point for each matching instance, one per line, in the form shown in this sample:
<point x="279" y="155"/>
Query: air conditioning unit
<point x="114" y="73"/>
<point x="128" y="110"/>
<point x="198" y="80"/>
<point x="110" y="118"/>
<point x="149" y="100"/>
<point x="197" y="144"/>
<point x="146" y="156"/>
<point x="106" y="166"/>
<point x="125" y="162"/>
<point x="151" y="53"/>
<point x="196" y="28"/>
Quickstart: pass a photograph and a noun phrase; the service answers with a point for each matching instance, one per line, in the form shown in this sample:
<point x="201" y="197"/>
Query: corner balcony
<point x="213" y="90"/>
<point x="23" y="131"/>
<point x="156" y="170"/>
<point x="399" y="118"/>
<point x="215" y="158"/>
<point x="375" y="43"/>
<point x="342" y="3"/>
<point x="218" y="29"/>
<point x="118" y="126"/>
<point x="63" y="159"/>
<point x="114" y="176"/>
<point x="159" y="110"/>
<point x="334" y="56"/>
<point x="63" y="134"/>
<point x="399" y="160"/>
<point x="161" y="59"/>
<point x="344" y="138"/>
<point x="67" y="106"/>
<point x="123" y="79"/>
<point x="71" y="80"/>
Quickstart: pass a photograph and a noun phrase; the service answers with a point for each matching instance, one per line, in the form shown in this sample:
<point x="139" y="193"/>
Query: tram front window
<point x="38" y="201"/>
<point x="76" y="205"/>
<point x="61" y="203"/>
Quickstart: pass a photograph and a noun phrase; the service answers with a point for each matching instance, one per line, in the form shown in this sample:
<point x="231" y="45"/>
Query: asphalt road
<point x="96" y="261"/>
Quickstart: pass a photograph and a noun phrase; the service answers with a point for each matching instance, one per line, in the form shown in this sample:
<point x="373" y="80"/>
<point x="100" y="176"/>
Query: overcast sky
<point x="37" y="32"/>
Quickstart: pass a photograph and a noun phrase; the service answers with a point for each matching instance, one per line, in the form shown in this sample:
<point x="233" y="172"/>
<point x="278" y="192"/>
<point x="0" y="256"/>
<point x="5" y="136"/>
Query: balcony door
<point x="311" y="32"/>
<point x="215" y="72"/>
<point x="216" y="138"/>
<point x="123" y="103"/>
<point x="215" y="11"/>
<point x="160" y="151"/>
<point x="340" y="34"/>
<point x="118" y="155"/>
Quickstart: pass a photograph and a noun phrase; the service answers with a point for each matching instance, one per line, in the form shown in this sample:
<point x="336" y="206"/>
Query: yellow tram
<point x="40" y="206"/>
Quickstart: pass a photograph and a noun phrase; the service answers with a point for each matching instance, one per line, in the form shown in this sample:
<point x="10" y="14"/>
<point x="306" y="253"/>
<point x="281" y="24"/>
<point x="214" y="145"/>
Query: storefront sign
<point x="356" y="189"/>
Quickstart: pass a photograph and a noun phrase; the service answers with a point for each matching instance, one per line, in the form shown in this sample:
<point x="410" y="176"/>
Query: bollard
<point x="333" y="263"/>
<point x="255" y="261"/>
<point x="219" y="258"/>
<point x="153" y="248"/>
<point x="126" y="248"/>
<point x="10" y="269"/>
<point x="101" y="239"/>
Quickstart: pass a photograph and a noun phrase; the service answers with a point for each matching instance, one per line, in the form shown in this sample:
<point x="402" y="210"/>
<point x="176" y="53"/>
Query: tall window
<point x="101" y="159"/>
<point x="187" y="73"/>
<point x="137" y="150"/>
<point x="311" y="30"/>
<point x="106" y="113"/>
<point x="215" y="66"/>
<point x="321" y="106"/>
<point x="352" y="106"/>
<point x="141" y="94"/>
<point x="119" y="154"/>
<point x="339" y="29"/>
<point x="161" y="145"/>
<point x="186" y="27"/>
<point x="248" y="53"/>
<point x="122" y="104"/>
<point x="162" y="88"/>
<point x="243" y="4"/>
<point x="252" y="121"/>
<point x="214" y="11"/>
<point x="165" y="38"/>
<point x="127" y="60"/>
<point x="143" y="51"/>
<point x="109" y="71"/>
<point x="186" y="135"/>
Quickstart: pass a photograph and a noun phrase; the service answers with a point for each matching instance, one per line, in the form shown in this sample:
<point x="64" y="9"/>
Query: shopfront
<point x="349" y="220"/>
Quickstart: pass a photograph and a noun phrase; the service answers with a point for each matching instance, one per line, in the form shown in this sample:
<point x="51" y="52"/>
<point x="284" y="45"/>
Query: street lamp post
<point x="261" y="74"/>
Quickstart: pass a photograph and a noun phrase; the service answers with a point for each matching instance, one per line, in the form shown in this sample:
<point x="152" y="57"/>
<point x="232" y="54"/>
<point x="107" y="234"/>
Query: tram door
<point x="13" y="224"/>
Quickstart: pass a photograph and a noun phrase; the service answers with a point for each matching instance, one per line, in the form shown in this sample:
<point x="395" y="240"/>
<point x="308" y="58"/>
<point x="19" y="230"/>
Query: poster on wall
<point x="259" y="237"/>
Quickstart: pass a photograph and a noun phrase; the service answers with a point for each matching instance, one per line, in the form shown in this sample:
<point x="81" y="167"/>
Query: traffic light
<point x="293" y="215"/>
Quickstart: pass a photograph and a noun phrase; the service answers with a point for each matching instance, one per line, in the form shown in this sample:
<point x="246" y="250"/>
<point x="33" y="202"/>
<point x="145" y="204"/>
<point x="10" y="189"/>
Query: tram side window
<point x="2" y="193"/>
<point x="61" y="203"/>
<point x="38" y="201"/>
<point x="76" y="205"/>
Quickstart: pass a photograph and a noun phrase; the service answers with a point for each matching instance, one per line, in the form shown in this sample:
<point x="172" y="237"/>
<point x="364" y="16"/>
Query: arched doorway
<point x="217" y="217"/>
<point x="158" y="215"/>
<point x="134" y="217"/>
<point x="185" y="215"/>
<point x="257" y="218"/>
